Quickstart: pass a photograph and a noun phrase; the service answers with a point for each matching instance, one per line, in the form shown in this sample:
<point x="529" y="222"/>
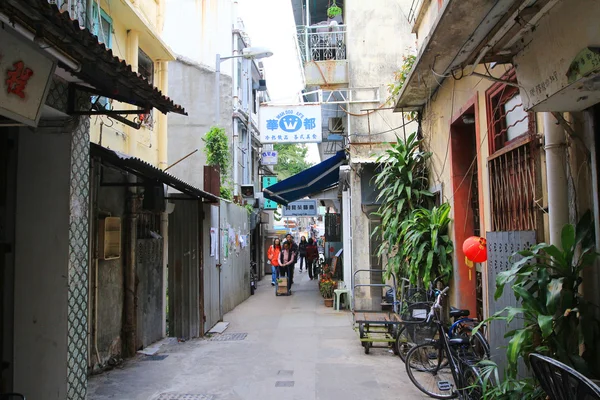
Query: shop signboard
<point x="266" y="182"/>
<point x="25" y="77"/>
<point x="291" y="124"/>
<point x="301" y="208"/>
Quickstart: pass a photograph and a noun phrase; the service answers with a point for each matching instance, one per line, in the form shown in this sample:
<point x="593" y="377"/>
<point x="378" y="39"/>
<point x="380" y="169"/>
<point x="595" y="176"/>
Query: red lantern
<point x="475" y="249"/>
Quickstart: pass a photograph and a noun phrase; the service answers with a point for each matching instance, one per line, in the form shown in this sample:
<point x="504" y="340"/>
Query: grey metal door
<point x="185" y="264"/>
<point x="212" y="281"/>
<point x="501" y="247"/>
<point x="149" y="259"/>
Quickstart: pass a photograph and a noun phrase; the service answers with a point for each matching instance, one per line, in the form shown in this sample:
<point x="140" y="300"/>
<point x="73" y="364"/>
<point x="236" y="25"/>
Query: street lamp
<point x="249" y="53"/>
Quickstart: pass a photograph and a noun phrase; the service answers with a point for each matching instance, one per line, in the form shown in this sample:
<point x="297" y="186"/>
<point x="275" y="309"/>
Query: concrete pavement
<point x="294" y="348"/>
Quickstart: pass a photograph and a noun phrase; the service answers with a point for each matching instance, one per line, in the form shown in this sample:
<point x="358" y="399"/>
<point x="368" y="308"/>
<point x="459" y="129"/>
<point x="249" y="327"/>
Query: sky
<point x="270" y="23"/>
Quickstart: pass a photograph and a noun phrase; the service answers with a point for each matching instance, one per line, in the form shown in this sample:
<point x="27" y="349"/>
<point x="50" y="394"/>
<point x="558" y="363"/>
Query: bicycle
<point x="462" y="326"/>
<point x="253" y="278"/>
<point x="447" y="364"/>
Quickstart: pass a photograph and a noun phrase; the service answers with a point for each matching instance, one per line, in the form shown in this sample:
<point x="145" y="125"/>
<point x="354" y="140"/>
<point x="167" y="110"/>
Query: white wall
<point x="41" y="286"/>
<point x="199" y="29"/>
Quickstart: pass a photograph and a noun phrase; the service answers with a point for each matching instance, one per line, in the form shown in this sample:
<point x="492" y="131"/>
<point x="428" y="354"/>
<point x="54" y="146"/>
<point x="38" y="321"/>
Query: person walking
<point x="273" y="256"/>
<point x="312" y="254"/>
<point x="294" y="249"/>
<point x="302" y="253"/>
<point x="286" y="262"/>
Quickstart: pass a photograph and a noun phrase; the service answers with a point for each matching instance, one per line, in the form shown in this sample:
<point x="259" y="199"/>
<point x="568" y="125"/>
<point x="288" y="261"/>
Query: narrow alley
<point x="285" y="348"/>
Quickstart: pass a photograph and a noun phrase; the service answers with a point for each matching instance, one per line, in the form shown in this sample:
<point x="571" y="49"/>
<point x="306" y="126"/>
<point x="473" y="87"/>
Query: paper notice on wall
<point x="243" y="241"/>
<point x="214" y="245"/>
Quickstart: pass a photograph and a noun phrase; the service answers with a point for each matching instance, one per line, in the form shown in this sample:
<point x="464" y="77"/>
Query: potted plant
<point x="334" y="12"/>
<point x="326" y="287"/>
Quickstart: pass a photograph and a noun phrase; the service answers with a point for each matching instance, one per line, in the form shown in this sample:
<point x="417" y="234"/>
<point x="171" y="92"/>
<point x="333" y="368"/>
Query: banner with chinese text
<point x="269" y="181"/>
<point x="291" y="124"/>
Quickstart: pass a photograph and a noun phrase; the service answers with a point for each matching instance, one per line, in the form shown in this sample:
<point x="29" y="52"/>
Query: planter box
<point x="282" y="286"/>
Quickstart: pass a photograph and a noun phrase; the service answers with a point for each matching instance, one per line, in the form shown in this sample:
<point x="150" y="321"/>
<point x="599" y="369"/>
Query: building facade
<point x="508" y="111"/>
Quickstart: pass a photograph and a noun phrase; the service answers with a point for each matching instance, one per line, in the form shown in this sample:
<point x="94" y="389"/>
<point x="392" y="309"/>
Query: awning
<point x="108" y="75"/>
<point x="315" y="179"/>
<point x="147" y="171"/>
<point x="465" y="34"/>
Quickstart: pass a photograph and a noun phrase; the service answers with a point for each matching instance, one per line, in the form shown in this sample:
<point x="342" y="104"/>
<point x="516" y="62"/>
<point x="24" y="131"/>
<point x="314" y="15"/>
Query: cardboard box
<point x="282" y="286"/>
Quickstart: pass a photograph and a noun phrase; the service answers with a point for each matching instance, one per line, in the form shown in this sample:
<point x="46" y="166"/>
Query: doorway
<point x="7" y="214"/>
<point x="466" y="182"/>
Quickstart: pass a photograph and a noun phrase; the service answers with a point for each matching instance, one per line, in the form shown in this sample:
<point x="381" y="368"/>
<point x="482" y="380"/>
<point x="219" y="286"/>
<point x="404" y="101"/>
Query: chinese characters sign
<point x="25" y="76"/>
<point x="268" y="181"/>
<point x="291" y="124"/>
<point x="301" y="208"/>
<point x="269" y="157"/>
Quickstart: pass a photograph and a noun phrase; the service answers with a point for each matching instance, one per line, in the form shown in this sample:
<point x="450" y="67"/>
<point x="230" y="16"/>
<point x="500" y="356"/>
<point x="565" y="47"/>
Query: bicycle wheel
<point x="428" y="369"/>
<point x="479" y="344"/>
<point x="472" y="382"/>
<point x="403" y="343"/>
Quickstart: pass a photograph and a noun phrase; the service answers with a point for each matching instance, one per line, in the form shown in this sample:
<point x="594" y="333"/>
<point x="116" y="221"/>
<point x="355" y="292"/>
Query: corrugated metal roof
<point x="111" y="76"/>
<point x="145" y="170"/>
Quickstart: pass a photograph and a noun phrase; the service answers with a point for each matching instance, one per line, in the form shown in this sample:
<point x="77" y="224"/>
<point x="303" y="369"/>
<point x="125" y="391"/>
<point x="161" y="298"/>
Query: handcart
<point x="376" y="329"/>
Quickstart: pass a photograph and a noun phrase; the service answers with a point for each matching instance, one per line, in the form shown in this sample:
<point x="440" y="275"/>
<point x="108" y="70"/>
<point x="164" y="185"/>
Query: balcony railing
<point x="322" y="42"/>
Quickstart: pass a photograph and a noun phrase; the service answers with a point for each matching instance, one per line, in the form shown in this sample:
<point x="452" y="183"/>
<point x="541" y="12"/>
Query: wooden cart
<point x="376" y="329"/>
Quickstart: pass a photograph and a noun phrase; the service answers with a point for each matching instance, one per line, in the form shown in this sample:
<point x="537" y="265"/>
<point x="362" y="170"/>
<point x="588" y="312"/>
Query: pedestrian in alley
<point x="273" y="256"/>
<point x="286" y="263"/>
<point x="302" y="253"/>
<point x="312" y="254"/>
<point x="294" y="249"/>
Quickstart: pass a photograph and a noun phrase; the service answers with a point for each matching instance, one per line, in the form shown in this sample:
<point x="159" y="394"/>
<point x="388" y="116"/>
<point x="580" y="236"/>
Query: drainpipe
<point x="556" y="170"/>
<point x="133" y="44"/>
<point x="163" y="81"/>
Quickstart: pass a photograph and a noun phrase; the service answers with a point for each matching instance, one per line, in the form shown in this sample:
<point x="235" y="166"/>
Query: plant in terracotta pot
<point x="326" y="287"/>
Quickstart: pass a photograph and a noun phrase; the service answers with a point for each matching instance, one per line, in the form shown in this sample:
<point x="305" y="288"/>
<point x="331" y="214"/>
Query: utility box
<point x="109" y="238"/>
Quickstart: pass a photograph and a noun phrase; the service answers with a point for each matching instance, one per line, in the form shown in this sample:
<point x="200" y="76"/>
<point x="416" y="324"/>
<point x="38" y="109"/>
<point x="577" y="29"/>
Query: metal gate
<point x="184" y="274"/>
<point x="149" y="261"/>
<point x="212" y="279"/>
<point x="501" y="247"/>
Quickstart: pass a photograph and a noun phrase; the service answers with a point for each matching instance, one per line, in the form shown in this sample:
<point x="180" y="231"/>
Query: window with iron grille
<point x="512" y="165"/>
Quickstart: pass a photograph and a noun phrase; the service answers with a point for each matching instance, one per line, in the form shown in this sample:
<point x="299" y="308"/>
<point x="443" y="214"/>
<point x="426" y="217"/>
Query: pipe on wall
<point x="556" y="170"/>
<point x="132" y="52"/>
<point x="163" y="81"/>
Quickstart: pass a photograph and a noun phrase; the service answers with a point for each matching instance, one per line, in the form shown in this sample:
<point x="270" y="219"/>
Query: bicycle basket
<point x="419" y="331"/>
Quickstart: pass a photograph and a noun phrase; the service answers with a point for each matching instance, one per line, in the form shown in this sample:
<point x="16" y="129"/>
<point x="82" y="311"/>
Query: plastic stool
<point x="337" y="298"/>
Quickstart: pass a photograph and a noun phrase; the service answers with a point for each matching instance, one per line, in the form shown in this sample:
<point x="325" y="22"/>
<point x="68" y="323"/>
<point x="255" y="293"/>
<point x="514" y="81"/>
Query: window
<point x="513" y="162"/>
<point x="146" y="70"/>
<point x="101" y="25"/>
<point x="145" y="66"/>
<point x="508" y="122"/>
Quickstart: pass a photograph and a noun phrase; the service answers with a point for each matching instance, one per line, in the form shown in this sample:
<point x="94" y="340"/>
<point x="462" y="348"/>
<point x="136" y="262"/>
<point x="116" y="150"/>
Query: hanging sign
<point x="268" y="181"/>
<point x="291" y="124"/>
<point x="301" y="208"/>
<point x="25" y="76"/>
<point x="269" y="157"/>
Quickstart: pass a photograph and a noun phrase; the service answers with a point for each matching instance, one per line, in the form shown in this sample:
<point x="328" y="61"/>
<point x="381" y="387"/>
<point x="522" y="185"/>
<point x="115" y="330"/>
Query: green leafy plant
<point x="291" y="159"/>
<point x="249" y="208"/>
<point x="326" y="287"/>
<point x="403" y="184"/>
<point x="400" y="77"/>
<point x="226" y="193"/>
<point x="334" y="10"/>
<point x="217" y="150"/>
<point x="508" y="388"/>
<point x="557" y="320"/>
<point x="426" y="247"/>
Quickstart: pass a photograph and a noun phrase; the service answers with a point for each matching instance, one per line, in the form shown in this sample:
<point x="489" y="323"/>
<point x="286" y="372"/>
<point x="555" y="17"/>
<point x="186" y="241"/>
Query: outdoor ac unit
<point x="336" y="125"/>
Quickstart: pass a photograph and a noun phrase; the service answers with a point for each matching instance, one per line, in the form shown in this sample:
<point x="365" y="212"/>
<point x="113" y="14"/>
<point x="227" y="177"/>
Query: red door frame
<point x="465" y="276"/>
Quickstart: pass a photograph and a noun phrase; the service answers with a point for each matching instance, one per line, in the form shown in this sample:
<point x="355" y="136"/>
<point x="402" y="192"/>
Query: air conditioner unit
<point x="336" y="125"/>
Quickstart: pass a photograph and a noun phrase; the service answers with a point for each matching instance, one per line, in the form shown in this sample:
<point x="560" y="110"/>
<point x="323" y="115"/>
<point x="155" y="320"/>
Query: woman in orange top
<point x="273" y="256"/>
